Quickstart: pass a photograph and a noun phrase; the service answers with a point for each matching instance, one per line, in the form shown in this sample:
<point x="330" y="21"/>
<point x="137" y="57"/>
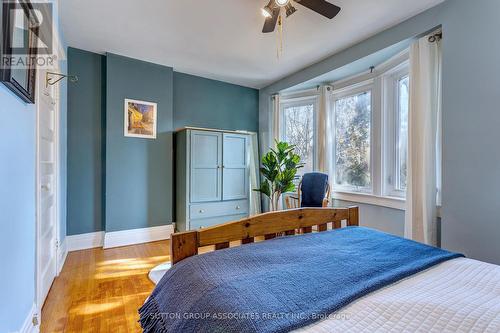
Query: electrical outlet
<point x="34" y="320"/>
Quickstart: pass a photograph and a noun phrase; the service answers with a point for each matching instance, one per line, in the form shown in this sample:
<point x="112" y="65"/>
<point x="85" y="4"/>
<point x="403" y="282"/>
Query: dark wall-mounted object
<point x="21" y="79"/>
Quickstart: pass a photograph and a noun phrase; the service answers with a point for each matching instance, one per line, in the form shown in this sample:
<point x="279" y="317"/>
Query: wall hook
<point x="52" y="78"/>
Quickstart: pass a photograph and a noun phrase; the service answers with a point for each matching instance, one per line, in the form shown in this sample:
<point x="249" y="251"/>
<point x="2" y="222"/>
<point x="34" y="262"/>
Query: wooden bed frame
<point x="302" y="220"/>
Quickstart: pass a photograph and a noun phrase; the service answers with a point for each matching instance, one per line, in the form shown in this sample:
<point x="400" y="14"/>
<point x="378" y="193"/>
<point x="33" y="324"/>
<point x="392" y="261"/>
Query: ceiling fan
<point x="272" y="11"/>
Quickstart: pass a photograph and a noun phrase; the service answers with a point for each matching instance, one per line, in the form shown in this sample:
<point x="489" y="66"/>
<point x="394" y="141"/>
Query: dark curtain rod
<point x="435" y="37"/>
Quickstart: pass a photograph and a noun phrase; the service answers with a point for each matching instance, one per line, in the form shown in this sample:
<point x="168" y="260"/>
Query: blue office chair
<point x="313" y="191"/>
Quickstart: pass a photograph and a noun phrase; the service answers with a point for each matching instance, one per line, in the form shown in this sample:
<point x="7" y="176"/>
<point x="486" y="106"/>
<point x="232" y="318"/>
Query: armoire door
<point x="235" y="167"/>
<point x="206" y="163"/>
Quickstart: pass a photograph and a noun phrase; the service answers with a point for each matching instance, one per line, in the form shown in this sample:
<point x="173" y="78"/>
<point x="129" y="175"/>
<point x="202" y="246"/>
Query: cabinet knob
<point x="238" y="207"/>
<point x="202" y="211"/>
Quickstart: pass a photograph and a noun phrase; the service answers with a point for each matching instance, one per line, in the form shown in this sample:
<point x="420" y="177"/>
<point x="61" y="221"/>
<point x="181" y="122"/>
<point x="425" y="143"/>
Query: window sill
<point x="370" y="199"/>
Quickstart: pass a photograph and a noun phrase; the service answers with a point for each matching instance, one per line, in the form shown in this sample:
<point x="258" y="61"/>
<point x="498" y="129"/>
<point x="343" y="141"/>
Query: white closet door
<point x="235" y="167"/>
<point x="47" y="187"/>
<point x="206" y="172"/>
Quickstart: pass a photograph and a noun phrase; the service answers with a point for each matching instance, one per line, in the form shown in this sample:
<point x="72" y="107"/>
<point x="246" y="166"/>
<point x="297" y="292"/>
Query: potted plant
<point x="279" y="167"/>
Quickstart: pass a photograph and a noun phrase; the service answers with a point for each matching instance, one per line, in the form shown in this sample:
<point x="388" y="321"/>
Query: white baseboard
<point x="116" y="238"/>
<point x="62" y="253"/>
<point x="85" y="241"/>
<point x="138" y="236"/>
<point x="28" y="326"/>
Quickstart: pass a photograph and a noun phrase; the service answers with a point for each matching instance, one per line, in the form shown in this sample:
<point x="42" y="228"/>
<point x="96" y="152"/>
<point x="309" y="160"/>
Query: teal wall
<point x="208" y="103"/>
<point x="85" y="207"/>
<point x="118" y="183"/>
<point x="138" y="171"/>
<point x="471" y="117"/>
<point x="17" y="204"/>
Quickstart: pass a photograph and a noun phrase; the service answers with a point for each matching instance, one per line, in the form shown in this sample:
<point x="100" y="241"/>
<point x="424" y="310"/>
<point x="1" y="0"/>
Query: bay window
<point x="367" y="136"/>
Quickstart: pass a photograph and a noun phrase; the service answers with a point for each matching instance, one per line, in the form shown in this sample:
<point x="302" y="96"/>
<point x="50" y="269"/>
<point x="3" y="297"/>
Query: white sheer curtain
<point x="325" y="133"/>
<point x="274" y="135"/>
<point x="423" y="139"/>
<point x="255" y="199"/>
<point x="275" y="126"/>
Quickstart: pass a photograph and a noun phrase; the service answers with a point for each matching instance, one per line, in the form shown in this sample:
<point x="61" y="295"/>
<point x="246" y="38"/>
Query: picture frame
<point x="20" y="79"/>
<point x="140" y="119"/>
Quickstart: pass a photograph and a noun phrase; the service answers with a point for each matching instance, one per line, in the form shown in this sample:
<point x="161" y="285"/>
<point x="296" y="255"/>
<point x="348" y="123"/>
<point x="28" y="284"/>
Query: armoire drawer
<point x="213" y="209"/>
<point x="205" y="223"/>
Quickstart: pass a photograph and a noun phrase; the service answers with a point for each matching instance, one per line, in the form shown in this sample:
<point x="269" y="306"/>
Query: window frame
<point x="348" y="91"/>
<point x="391" y="103"/>
<point x="297" y="101"/>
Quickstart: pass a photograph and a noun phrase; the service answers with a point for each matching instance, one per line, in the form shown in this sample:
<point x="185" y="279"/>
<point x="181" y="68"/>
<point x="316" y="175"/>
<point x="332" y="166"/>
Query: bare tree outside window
<point x="352" y="146"/>
<point x="298" y="130"/>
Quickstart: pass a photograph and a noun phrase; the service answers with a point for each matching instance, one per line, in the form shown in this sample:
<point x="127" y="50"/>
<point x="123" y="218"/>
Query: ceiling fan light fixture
<point x="275" y="11"/>
<point x="282" y="3"/>
<point x="267" y="12"/>
<point x="290" y="9"/>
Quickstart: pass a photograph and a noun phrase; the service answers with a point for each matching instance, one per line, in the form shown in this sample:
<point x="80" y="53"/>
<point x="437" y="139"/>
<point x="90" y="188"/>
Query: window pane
<point x="352" y="136"/>
<point x="298" y="123"/>
<point x="402" y="144"/>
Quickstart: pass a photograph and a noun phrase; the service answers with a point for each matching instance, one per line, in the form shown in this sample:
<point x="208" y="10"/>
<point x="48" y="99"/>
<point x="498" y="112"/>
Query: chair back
<point x="313" y="189"/>
<point x="291" y="201"/>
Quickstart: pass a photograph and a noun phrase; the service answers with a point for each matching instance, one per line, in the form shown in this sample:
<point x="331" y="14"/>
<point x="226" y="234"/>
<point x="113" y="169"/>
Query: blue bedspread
<point x="281" y="284"/>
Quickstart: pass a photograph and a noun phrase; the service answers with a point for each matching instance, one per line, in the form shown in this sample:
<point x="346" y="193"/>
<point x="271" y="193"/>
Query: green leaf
<point x="264" y="188"/>
<point x="279" y="167"/>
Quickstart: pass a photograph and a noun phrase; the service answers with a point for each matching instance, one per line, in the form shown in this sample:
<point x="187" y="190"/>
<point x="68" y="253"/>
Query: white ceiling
<point x="222" y="39"/>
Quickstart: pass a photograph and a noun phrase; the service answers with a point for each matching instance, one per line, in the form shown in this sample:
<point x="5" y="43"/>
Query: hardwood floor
<point x="100" y="290"/>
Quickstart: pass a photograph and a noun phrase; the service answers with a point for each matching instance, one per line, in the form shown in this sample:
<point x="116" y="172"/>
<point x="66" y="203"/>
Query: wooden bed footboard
<point x="186" y="244"/>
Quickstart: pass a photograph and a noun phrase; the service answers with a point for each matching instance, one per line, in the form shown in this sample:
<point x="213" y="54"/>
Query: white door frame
<point x="38" y="297"/>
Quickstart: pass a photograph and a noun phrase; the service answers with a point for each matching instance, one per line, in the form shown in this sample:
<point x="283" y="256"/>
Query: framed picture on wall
<point x="140" y="119"/>
<point x="18" y="50"/>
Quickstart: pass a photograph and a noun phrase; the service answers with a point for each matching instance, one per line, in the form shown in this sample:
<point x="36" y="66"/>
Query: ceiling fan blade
<point x="322" y="7"/>
<point x="270" y="22"/>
